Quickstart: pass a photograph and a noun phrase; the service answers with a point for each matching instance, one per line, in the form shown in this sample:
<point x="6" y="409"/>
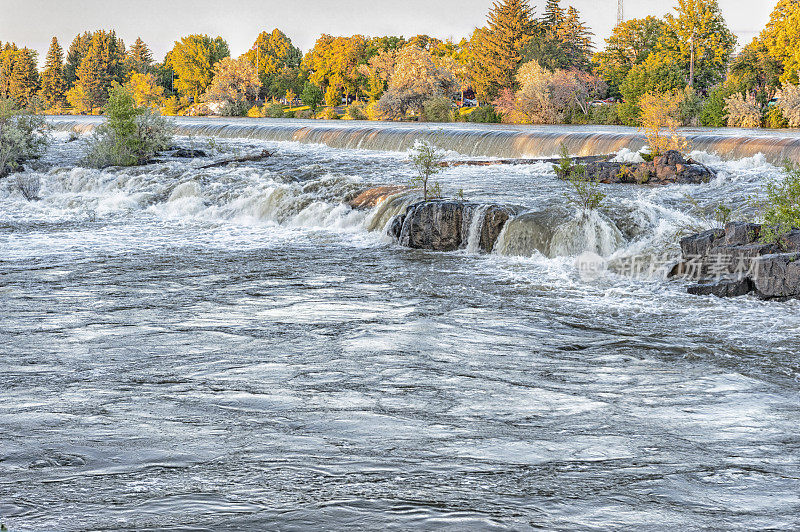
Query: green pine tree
<point x="499" y="47"/>
<point x="78" y="48"/>
<point x="53" y="75"/>
<point x="140" y="59"/>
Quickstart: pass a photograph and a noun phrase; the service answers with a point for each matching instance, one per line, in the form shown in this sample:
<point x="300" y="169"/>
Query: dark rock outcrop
<point x="494" y="221"/>
<point x="189" y="153"/>
<point x="777" y="275"/>
<point x="735" y="262"/>
<point x="442" y="225"/>
<point x="669" y="168"/>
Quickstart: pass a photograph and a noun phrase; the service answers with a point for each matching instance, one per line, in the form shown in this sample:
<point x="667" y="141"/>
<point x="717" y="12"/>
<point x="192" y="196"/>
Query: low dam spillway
<point x="481" y="140"/>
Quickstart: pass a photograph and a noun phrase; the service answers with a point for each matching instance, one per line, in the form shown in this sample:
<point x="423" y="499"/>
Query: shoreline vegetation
<point x="527" y="65"/>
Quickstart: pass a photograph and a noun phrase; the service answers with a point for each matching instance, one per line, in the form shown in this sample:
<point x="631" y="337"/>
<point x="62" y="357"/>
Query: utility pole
<point x="620" y="13"/>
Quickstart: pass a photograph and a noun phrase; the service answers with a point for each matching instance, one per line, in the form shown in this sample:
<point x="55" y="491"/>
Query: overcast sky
<point x="33" y="23"/>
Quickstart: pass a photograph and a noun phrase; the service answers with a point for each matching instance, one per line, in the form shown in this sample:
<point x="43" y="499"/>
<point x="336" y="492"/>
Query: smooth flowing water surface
<point x="237" y="349"/>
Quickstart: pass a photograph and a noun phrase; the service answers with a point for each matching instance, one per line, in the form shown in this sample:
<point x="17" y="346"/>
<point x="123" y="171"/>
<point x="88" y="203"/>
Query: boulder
<point x="434" y="225"/>
<point x="723" y="288"/>
<point x="189" y="153"/>
<point x="668" y="168"/>
<point x="741" y="233"/>
<point x="494" y="221"/>
<point x="442" y="225"/>
<point x="699" y="244"/>
<point x="733" y="262"/>
<point x="777" y="275"/>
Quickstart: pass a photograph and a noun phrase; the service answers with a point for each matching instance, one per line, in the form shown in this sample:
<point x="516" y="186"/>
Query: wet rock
<point x="442" y="225"/>
<point x="741" y="233"/>
<point x="189" y="153"/>
<point x="668" y="168"/>
<point x="733" y="262"/>
<point x="723" y="288"/>
<point x="434" y="225"/>
<point x="396" y="227"/>
<point x="369" y="198"/>
<point x="777" y="275"/>
<point x="494" y="221"/>
<point x="699" y="244"/>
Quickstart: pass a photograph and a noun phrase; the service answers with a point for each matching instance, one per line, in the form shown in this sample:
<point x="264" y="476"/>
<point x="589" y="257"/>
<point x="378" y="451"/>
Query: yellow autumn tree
<point x="659" y="121"/>
<point x="145" y="90"/>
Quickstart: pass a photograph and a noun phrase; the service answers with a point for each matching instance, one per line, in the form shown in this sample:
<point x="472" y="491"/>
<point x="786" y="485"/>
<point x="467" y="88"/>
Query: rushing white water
<point x="237" y="348"/>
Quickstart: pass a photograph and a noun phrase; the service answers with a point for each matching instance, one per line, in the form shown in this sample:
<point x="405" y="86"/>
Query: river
<point x="237" y="349"/>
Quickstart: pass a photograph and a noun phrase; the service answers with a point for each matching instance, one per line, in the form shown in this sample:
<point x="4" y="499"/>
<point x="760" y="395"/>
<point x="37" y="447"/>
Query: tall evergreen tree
<point x="577" y="39"/>
<point x="78" y="48"/>
<point x="140" y="58"/>
<point x="19" y="77"/>
<point x="101" y="67"/>
<point x="53" y="75"/>
<point x="499" y="48"/>
<point x="554" y="15"/>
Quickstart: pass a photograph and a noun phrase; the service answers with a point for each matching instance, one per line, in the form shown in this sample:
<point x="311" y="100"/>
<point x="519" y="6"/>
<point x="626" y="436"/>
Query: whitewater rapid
<point x="238" y="348"/>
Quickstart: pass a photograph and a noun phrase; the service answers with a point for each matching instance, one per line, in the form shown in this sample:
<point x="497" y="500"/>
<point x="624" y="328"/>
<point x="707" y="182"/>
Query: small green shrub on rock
<point x="427" y="160"/>
<point x="130" y="136"/>
<point x="583" y="192"/>
<point x="780" y="207"/>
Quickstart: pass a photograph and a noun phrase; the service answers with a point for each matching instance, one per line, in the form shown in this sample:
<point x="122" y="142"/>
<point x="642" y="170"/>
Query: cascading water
<point x="475" y="226"/>
<point x="473" y="140"/>
<point x="238" y="348"/>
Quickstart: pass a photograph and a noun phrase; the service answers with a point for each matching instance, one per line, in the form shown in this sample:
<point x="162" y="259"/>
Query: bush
<point x="356" y="112"/>
<point x="233" y="108"/>
<point x="273" y="110"/>
<point x="255" y="112"/>
<point x="690" y="108"/>
<point x="171" y="106"/>
<point x="485" y="114"/>
<point x="743" y="111"/>
<point x="584" y="193"/>
<point x="607" y="115"/>
<point x="780" y="209"/>
<point x="775" y="119"/>
<point x="438" y="109"/>
<point x="789" y="104"/>
<point x="712" y="114"/>
<point x="305" y="113"/>
<point x="130" y="136"/>
<point x="628" y="113"/>
<point x="329" y="113"/>
<point x="23" y="136"/>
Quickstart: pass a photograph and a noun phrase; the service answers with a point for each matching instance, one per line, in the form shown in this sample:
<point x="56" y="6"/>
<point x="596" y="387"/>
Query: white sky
<point x="33" y="23"/>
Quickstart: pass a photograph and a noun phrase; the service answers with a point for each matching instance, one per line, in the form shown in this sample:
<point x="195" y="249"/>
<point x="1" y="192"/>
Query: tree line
<point x="520" y="66"/>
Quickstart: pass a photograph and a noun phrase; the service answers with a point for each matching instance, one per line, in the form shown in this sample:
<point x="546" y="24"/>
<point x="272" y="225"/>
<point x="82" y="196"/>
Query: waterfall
<point x="475" y="228"/>
<point x="472" y="140"/>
